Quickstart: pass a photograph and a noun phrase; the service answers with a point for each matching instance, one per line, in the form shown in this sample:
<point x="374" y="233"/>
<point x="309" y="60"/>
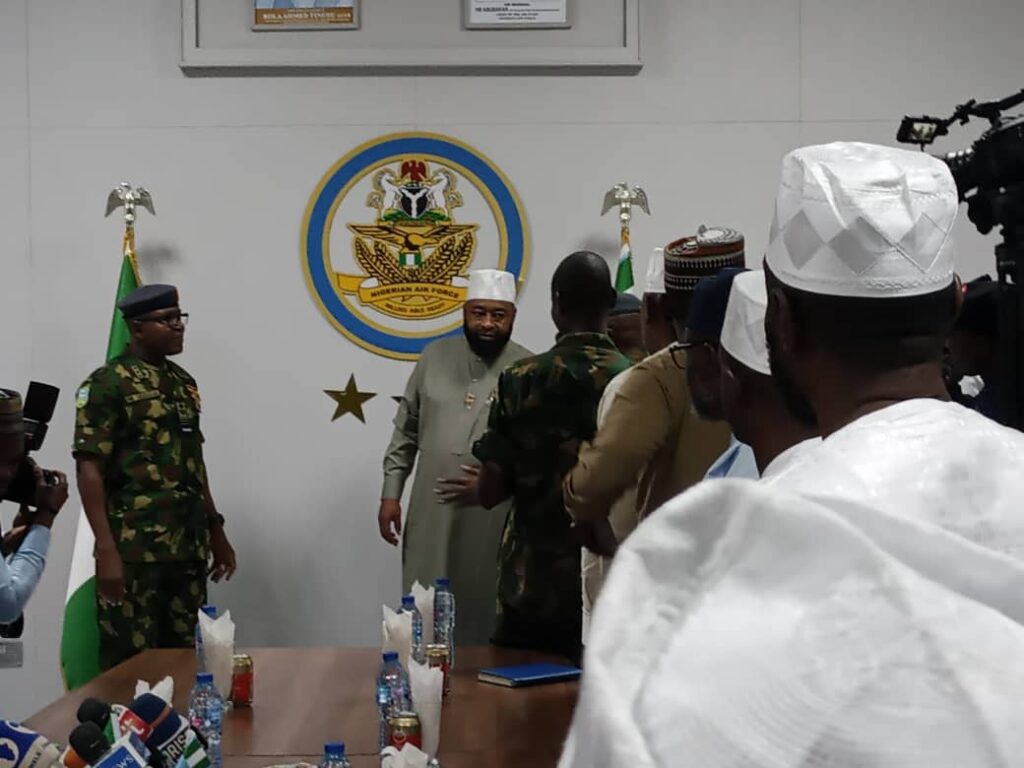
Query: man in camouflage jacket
<point x="141" y="476"/>
<point x="545" y="406"/>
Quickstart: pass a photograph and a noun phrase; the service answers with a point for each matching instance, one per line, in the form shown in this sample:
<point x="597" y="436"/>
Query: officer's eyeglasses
<point x="683" y="346"/>
<point x="169" y="320"/>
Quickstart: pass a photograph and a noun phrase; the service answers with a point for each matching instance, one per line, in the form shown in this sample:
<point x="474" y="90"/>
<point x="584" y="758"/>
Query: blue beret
<point x="710" y="298"/>
<point x="146" y="299"/>
<point x="625" y="304"/>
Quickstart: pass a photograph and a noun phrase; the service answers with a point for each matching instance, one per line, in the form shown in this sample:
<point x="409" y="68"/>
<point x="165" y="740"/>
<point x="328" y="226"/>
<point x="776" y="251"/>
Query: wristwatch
<point x="216" y="519"/>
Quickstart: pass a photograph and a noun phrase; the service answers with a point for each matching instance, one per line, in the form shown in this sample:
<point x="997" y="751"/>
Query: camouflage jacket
<point x="142" y="423"/>
<point x="545" y="406"/>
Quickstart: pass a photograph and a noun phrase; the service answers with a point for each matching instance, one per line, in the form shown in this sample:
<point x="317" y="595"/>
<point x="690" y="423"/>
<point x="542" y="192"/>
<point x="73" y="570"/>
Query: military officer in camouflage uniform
<point x="545" y="406"/>
<point x="141" y="476"/>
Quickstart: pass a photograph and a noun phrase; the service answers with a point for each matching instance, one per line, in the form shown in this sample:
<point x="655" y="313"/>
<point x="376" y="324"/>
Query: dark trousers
<point x="560" y="635"/>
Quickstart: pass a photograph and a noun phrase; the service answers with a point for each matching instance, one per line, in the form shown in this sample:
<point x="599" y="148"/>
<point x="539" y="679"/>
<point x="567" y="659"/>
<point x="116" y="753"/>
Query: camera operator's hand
<point x="51" y="490"/>
<point x="109" y="575"/>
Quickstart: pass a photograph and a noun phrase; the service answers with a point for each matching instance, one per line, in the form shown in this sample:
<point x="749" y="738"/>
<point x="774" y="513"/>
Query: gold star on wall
<point x="349" y="400"/>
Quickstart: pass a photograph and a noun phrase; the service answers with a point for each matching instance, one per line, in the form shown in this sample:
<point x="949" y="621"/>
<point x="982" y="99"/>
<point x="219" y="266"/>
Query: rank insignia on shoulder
<point x="82" y="398"/>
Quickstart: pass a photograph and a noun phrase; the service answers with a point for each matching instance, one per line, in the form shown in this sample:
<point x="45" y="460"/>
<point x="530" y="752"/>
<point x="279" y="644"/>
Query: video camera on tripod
<point x="989" y="177"/>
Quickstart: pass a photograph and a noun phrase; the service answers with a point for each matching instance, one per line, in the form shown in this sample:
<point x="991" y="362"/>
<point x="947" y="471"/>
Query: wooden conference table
<point x="305" y="697"/>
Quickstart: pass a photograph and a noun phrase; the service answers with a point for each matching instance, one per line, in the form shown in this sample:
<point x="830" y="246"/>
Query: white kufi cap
<point x="491" y="285"/>
<point x="655" y="281"/>
<point x="863" y="220"/>
<point x="743" y="332"/>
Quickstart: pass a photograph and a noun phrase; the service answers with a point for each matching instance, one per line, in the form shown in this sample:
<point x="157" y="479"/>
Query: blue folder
<point x="528" y="674"/>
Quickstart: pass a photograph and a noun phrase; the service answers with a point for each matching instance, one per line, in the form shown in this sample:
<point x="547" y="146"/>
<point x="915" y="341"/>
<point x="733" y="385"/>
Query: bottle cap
<point x="408" y="601"/>
<point x="204" y="677"/>
<point x="210" y="610"/>
<point x="441" y="581"/>
<point x="391" y="656"/>
<point x="334" y="748"/>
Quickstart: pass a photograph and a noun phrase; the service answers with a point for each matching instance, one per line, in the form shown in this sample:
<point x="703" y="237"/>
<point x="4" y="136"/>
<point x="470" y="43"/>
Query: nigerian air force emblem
<point x="420" y="212"/>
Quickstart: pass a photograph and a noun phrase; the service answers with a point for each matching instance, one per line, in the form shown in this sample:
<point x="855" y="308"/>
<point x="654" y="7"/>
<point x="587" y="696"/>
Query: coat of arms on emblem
<point x="411" y="254"/>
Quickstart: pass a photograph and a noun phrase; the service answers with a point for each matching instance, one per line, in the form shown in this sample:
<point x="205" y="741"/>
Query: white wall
<point x="90" y="94"/>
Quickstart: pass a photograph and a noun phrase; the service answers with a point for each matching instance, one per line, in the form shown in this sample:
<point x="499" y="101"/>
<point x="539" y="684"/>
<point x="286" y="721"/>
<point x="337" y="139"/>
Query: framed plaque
<point x="297" y="15"/>
<point x="411" y="37"/>
<point x="516" y="14"/>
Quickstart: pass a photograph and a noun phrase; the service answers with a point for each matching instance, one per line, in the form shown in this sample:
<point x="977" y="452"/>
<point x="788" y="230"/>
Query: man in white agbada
<point x="751" y="402"/>
<point x="862" y="606"/>
<point x="861" y="296"/>
<point x="442" y="413"/>
<point x="744" y="625"/>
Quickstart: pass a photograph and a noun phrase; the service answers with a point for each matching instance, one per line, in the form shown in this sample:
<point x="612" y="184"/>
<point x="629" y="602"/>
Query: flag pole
<point x="625" y="198"/>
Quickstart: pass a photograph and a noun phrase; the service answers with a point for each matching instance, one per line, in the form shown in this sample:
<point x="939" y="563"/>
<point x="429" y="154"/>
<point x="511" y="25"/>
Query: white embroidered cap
<point x="863" y="220"/>
<point x="655" y="281"/>
<point x="743" y="332"/>
<point x="491" y="285"/>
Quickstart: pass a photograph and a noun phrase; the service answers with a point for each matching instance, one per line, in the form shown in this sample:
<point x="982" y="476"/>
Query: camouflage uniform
<point x="545" y="406"/>
<point x="141" y="423"/>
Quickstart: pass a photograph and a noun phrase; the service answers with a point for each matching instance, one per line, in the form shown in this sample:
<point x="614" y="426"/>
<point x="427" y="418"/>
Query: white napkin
<point x="425" y="605"/>
<point x="219" y="646"/>
<point x="164" y="689"/>
<point x="427" y="689"/>
<point x="409" y="757"/>
<point x="397" y="634"/>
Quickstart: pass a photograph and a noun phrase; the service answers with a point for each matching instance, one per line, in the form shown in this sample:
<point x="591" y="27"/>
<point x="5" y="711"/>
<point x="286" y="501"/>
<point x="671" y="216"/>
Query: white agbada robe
<point x="743" y="625"/>
<point x="932" y="461"/>
<point x="792" y="454"/>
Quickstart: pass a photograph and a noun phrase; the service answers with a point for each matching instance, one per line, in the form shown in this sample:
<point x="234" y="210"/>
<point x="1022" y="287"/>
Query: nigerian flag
<point x="80" y="642"/>
<point x="624" y="275"/>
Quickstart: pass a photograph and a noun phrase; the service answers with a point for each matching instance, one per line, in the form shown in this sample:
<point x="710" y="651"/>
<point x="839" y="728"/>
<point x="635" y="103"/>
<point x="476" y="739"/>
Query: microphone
<point x="21" y="747"/>
<point x="88" y="742"/>
<point x="92" y="746"/>
<point x="169" y="734"/>
<point x="71" y="759"/>
<point x="93" y="711"/>
<point x="105" y="715"/>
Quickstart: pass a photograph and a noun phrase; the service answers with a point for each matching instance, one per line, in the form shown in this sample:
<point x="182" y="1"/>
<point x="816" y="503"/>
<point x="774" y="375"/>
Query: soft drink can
<point x="437" y="657"/>
<point x="404" y="728"/>
<point x="242" y="680"/>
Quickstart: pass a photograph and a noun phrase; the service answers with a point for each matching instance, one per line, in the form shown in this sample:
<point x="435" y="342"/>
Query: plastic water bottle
<point x="211" y="611"/>
<point x="206" y="715"/>
<point x="409" y="606"/>
<point x="334" y="756"/>
<point x="444" y="617"/>
<point x="393" y="693"/>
